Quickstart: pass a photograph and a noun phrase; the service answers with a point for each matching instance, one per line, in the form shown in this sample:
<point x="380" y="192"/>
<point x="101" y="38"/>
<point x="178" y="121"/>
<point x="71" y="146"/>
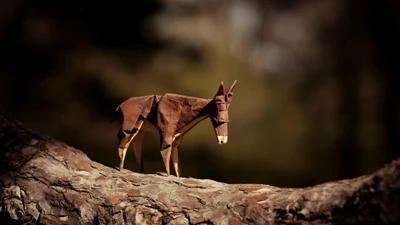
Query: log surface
<point x="45" y="181"/>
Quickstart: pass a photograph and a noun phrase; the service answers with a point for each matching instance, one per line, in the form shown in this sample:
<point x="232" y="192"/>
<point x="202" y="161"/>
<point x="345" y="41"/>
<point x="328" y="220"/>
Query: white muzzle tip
<point x="222" y="139"/>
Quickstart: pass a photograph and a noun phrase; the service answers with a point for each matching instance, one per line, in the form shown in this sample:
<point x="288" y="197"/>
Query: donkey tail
<point x="116" y="114"/>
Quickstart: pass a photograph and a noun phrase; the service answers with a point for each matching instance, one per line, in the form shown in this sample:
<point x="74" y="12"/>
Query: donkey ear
<point x="230" y="90"/>
<point x="220" y="89"/>
<point x="229" y="94"/>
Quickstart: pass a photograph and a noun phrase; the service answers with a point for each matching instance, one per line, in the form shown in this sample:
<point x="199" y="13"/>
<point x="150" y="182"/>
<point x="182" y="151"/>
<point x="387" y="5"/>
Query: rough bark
<point x="44" y="181"/>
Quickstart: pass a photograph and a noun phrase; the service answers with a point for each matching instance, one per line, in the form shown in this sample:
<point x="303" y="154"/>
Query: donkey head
<point x="219" y="112"/>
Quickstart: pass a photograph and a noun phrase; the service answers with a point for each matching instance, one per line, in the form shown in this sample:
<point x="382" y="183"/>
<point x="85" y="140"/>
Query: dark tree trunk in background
<point x="385" y="23"/>
<point x="45" y="181"/>
<point x="346" y="48"/>
<point x="348" y="148"/>
<point x="369" y="34"/>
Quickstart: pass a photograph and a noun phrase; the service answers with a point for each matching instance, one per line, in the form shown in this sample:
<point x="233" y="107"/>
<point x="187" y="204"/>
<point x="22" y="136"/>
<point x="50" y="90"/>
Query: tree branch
<point x="48" y="182"/>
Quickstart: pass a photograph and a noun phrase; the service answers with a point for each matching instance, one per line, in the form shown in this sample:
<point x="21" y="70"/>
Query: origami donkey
<point x="172" y="116"/>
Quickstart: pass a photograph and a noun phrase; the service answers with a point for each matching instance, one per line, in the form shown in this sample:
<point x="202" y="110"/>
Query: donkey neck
<point x="194" y="111"/>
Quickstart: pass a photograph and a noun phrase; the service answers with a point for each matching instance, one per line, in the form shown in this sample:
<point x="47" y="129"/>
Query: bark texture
<point x="44" y="181"/>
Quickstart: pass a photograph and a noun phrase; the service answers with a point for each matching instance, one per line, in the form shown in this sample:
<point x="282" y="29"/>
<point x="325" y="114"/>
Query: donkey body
<point x="172" y="116"/>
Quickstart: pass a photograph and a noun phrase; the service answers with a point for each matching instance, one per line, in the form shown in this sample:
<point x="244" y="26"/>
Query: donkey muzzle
<point x="222" y="139"/>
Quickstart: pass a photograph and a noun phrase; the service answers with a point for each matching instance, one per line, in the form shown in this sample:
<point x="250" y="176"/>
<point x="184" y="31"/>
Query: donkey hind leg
<point x="137" y="149"/>
<point x="175" y="159"/>
<point x="124" y="141"/>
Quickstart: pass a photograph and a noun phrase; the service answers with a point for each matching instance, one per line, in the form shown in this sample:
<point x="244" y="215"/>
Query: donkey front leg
<point x="175" y="159"/>
<point x="166" y="148"/>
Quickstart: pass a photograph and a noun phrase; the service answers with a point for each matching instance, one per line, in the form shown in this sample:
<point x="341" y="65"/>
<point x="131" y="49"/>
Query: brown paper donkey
<point x="172" y="116"/>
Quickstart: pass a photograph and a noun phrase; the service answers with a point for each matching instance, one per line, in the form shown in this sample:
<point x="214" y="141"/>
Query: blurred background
<point x="316" y="98"/>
